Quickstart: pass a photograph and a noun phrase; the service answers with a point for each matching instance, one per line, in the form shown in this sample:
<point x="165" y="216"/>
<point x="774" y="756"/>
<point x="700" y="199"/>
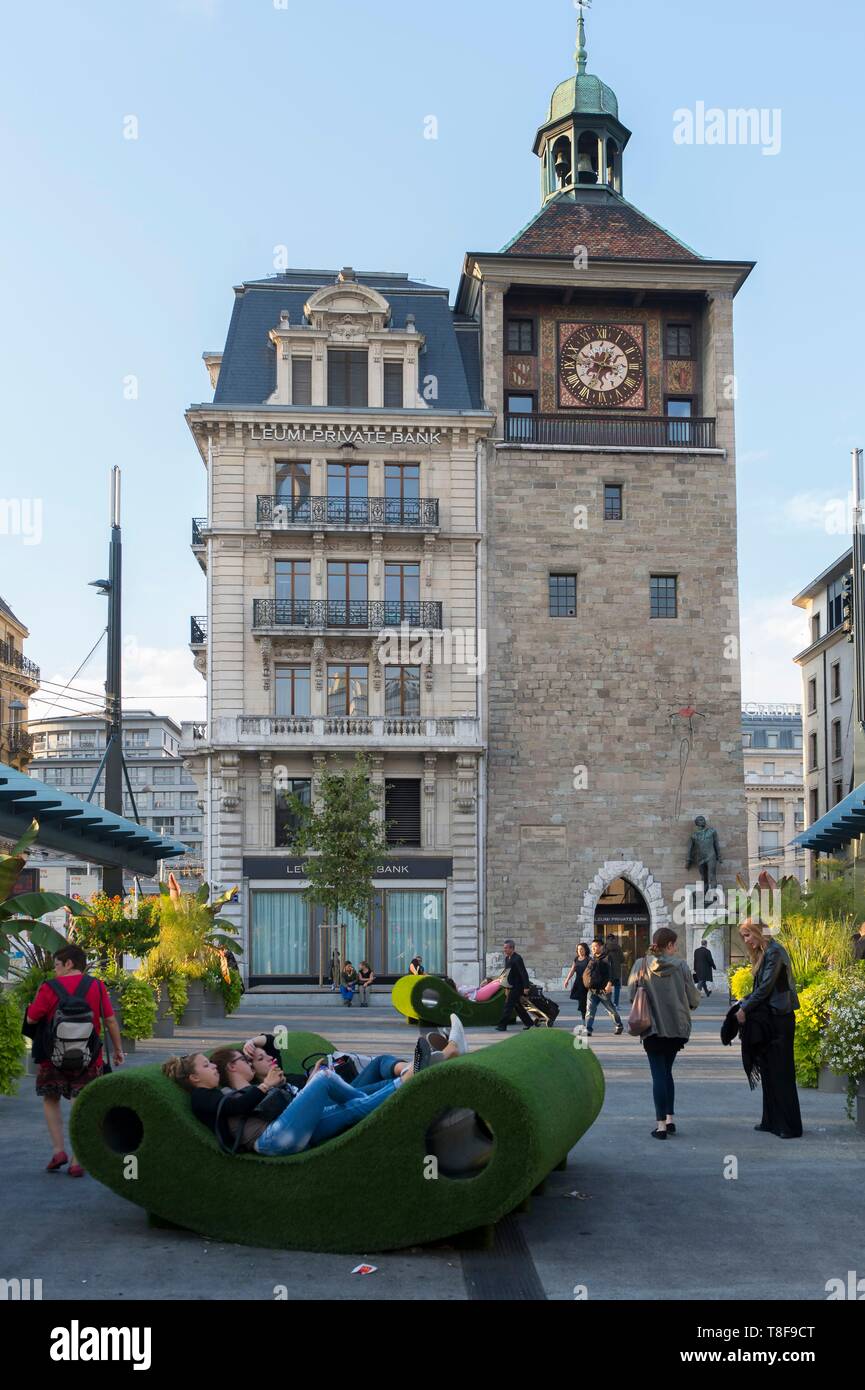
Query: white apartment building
<point x="827" y="667"/>
<point x="774" y="790"/>
<point x="344" y="506"/>
<point x="67" y="752"/>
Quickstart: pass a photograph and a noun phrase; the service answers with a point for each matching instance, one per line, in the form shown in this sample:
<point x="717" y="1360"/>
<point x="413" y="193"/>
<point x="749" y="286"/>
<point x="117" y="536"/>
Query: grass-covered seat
<point x="429" y="999"/>
<point x="372" y="1187"/>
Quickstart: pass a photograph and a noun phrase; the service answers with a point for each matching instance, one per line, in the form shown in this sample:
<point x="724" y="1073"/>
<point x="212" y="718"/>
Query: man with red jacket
<point x="70" y="964"/>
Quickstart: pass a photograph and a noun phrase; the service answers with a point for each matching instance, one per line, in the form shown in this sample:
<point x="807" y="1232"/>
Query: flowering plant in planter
<point x="113" y="927"/>
<point x="844" y="1039"/>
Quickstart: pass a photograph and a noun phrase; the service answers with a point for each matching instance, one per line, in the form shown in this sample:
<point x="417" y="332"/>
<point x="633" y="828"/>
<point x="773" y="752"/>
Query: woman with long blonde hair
<point x="767" y="1020"/>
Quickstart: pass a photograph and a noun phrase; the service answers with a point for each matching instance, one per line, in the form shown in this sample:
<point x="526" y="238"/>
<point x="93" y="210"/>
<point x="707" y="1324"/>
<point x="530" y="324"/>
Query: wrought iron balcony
<point x="15" y="661"/>
<point x="197" y="632"/>
<point x="397" y="512"/>
<point x="341" y="613"/>
<point x="611" y="431"/>
<point x="199" y="524"/>
<point x="18" y="742"/>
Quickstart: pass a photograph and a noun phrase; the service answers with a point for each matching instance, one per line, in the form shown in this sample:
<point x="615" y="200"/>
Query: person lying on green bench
<point x="360" y="1071"/>
<point x="243" y="1120"/>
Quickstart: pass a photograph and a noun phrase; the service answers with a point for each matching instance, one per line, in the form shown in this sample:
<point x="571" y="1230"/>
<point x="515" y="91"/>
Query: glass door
<point x="401" y="594"/>
<point x="347" y="593"/>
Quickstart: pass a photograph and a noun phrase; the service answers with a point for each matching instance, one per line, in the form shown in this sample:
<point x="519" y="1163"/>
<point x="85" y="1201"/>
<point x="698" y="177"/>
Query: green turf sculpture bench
<point x="527" y="1100"/>
<point x="429" y="999"/>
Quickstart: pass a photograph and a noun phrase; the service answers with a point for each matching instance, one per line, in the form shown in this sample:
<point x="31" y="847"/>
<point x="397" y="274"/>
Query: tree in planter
<point x="344" y="839"/>
<point x="11" y="1044"/>
<point x="20" y="913"/>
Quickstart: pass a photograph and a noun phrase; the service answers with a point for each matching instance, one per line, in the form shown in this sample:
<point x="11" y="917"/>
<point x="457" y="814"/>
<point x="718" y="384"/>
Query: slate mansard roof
<point x="451" y="353"/>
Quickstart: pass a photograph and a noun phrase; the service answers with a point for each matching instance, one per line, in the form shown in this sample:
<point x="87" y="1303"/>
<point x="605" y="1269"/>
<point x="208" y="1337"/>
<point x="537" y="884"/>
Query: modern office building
<point x="67" y="752"/>
<point x="342" y="548"/>
<point x="611" y="576"/>
<point x="828" y="671"/>
<point x="772" y="741"/>
<point x="19" y="679"/>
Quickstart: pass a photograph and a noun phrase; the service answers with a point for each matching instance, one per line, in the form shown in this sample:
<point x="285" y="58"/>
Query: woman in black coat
<point x="768" y="1017"/>
<point x="578" y="989"/>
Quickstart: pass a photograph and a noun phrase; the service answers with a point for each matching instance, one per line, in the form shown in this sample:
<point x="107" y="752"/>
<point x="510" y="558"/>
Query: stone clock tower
<point x="610" y="593"/>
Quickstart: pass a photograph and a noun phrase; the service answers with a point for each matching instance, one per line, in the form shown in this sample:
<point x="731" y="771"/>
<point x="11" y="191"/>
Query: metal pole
<point x="112" y="878"/>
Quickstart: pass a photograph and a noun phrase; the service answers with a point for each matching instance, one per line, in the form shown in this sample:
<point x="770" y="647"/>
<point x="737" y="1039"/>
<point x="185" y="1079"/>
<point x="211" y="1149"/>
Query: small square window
<point x="679" y="341"/>
<point x="521" y="336"/>
<point x="664" y="596"/>
<point x="563" y="595"/>
<point x="613" y="502"/>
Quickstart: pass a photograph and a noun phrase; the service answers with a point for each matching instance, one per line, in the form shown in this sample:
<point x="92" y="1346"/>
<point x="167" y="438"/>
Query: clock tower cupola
<point x="580" y="144"/>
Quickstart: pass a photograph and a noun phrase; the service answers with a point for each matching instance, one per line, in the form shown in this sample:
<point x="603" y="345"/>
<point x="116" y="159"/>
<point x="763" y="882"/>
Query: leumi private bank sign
<point x="356" y="436"/>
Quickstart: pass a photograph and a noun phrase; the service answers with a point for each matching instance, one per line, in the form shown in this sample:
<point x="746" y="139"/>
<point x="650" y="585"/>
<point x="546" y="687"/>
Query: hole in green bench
<point x="461" y="1142"/>
<point x="430" y="999"/>
<point x="122" y="1129"/>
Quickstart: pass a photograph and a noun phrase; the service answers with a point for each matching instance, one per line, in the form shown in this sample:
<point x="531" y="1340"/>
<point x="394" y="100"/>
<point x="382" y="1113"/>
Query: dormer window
<point x="393" y="385"/>
<point x="347" y="377"/>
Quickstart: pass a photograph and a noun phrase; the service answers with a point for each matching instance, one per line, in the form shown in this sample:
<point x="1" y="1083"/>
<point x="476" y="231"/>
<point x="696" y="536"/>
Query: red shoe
<point x="57" y="1161"/>
<point x="75" y="1170"/>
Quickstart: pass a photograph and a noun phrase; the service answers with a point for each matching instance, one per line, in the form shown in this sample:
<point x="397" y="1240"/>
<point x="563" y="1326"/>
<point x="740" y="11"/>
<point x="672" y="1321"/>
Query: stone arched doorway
<point x="624" y="894"/>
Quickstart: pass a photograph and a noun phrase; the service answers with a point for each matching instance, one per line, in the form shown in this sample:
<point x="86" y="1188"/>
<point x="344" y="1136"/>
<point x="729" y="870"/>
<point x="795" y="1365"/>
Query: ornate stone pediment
<point x="347" y="310"/>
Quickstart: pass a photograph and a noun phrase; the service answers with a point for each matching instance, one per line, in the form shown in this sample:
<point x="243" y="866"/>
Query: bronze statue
<point x="705" y="851"/>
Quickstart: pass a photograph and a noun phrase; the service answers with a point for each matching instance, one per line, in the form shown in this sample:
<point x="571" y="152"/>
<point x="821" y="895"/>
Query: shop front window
<point x="280" y="934"/>
<point x="415" y="927"/>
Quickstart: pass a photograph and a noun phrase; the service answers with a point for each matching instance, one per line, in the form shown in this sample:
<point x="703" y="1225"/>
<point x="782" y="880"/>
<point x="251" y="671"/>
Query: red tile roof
<point x="611" y="229"/>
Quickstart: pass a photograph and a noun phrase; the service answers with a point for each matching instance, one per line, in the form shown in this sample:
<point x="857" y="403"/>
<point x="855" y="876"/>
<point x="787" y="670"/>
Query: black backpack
<point x="73" y="1041"/>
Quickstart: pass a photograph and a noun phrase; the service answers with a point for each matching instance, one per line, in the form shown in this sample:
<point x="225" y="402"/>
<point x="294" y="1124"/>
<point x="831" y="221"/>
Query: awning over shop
<point x="79" y="828"/>
<point x="838" y="827"/>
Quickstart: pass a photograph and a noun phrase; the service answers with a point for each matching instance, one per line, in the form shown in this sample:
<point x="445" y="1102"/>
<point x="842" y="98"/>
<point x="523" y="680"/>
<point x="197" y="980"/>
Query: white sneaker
<point x="458" y="1036"/>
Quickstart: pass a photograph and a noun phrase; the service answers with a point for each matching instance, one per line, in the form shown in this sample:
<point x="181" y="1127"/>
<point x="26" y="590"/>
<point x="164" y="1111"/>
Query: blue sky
<point x="261" y="124"/>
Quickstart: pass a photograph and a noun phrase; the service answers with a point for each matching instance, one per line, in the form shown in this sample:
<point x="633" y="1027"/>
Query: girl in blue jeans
<point x="325" y="1107"/>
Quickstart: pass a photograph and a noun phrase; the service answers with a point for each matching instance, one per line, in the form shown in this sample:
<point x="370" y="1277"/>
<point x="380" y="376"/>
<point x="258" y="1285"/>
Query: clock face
<point x="601" y="364"/>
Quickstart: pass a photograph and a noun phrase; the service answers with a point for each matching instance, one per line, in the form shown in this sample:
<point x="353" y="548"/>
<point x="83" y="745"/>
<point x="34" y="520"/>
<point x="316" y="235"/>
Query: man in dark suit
<point x="517" y="983"/>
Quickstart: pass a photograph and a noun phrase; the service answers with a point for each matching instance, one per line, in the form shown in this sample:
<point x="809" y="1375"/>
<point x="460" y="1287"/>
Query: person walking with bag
<point x="596" y="978"/>
<point x="579" y="993"/>
<point x="663" y="997"/>
<point x="516" y="981"/>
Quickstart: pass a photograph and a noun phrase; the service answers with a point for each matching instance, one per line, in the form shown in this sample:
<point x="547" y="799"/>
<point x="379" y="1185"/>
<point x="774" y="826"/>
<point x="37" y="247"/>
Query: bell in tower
<point x="581" y="142"/>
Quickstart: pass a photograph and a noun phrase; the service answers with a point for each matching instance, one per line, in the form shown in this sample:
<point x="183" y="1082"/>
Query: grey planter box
<point x="193" y="1014"/>
<point x="830" y="1083"/>
<point x="164" y="1025"/>
<point x="214" y="1006"/>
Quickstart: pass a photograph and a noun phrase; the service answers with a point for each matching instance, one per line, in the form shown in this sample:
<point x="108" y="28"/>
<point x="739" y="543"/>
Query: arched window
<point x="562" y="163"/>
<point x="587" y="158"/>
<point x="614" y="178"/>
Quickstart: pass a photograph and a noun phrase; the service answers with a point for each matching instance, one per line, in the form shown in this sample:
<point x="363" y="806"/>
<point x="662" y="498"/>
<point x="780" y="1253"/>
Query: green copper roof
<point x="585" y="94"/>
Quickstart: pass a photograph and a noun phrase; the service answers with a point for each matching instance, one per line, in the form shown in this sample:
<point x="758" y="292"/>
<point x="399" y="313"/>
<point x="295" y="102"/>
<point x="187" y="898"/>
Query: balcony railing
<point x="422" y="512"/>
<point x="18" y="741"/>
<point x="14" y="661"/>
<point x="308" y="731"/>
<point x="199" y="524"/>
<point x="345" y="613"/>
<point x="770" y="817"/>
<point x="611" y="431"/>
<point x="197" y="632"/>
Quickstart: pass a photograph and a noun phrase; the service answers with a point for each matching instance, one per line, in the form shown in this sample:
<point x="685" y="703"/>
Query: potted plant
<point x="193" y="935"/>
<point x="134" y="1003"/>
<point x="158" y="972"/>
<point x="11" y="1044"/>
<point x="114" y="927"/>
<point x="223" y="991"/>
<point x="844" y="1038"/>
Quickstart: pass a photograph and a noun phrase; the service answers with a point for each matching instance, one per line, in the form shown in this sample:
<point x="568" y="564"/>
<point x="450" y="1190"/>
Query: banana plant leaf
<point x="227" y="943"/>
<point x="10" y="871"/>
<point x="227" y="923"/>
<point x="37" y="904"/>
<point x="203" y="893"/>
<point x="27" y="838"/>
<point x="40" y="933"/>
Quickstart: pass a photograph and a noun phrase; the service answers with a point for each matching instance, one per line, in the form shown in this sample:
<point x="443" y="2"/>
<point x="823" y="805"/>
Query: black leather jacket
<point x="773" y="982"/>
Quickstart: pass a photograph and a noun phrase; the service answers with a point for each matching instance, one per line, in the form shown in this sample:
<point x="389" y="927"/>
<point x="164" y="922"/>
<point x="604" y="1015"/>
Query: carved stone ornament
<point x="466" y="783"/>
<point x="229" y="769"/>
<point x="266" y="661"/>
<point x="265" y="764"/>
<point x="318" y="662"/>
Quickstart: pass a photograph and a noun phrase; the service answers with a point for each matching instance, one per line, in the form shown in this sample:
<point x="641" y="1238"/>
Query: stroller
<point x="542" y="1011"/>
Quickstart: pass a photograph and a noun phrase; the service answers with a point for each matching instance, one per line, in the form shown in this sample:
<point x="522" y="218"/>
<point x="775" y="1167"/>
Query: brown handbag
<point x="640" y="1017"/>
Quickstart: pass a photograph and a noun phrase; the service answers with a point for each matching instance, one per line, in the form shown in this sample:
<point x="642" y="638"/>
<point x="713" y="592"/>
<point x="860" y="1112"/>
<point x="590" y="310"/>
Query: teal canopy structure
<point x="845" y="822"/>
<point x="77" y="827"/>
